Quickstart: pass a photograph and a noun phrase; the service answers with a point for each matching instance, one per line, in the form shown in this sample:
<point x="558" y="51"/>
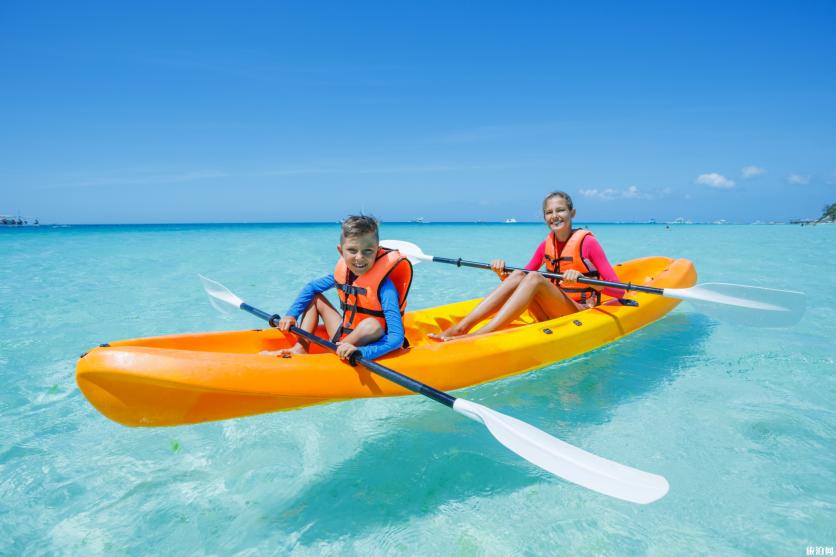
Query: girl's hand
<point x="571" y="275"/>
<point x="498" y="267"/>
<point x="286" y="322"/>
<point x="345" y="350"/>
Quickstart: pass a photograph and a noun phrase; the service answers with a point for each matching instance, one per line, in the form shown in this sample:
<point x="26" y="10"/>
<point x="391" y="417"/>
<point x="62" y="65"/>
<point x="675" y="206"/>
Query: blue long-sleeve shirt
<point x="392" y="338"/>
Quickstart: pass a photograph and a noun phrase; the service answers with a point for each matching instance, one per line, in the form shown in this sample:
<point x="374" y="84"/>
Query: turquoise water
<point x="741" y="421"/>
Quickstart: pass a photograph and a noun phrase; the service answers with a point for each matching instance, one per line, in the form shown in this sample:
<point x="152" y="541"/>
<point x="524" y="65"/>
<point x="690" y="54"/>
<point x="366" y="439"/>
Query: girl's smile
<point x="558" y="217"/>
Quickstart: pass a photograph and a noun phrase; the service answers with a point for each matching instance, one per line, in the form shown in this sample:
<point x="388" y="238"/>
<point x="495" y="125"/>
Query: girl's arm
<point x="392" y="339"/>
<point x="593" y="251"/>
<point x="533" y="265"/>
<point x="303" y="300"/>
<point x="537" y="259"/>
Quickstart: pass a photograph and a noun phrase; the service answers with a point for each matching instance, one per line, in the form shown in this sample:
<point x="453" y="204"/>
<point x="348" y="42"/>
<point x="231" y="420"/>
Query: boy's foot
<point x="296" y="349"/>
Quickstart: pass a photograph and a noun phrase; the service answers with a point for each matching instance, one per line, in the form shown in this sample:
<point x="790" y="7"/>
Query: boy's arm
<point x="392" y="339"/>
<point x="303" y="300"/>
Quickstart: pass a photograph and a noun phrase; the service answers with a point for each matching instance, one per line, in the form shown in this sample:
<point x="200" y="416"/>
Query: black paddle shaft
<point x="583" y="280"/>
<point x="383" y="371"/>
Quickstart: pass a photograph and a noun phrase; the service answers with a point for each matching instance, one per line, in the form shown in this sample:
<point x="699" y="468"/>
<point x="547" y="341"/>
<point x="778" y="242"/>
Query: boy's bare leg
<point x="486" y="307"/>
<point x="366" y="332"/>
<point x="320" y="307"/>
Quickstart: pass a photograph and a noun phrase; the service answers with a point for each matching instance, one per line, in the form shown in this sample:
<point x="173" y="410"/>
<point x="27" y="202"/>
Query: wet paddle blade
<point x="408" y="250"/>
<point x="221" y="298"/>
<point x="567" y="461"/>
<point x="745" y="305"/>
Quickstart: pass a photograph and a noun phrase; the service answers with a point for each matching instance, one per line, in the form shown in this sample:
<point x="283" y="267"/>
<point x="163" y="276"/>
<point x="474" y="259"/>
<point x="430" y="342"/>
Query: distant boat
<point x="419" y="220"/>
<point x="510" y="221"/>
<point x="720" y="221"/>
<point x="680" y="220"/>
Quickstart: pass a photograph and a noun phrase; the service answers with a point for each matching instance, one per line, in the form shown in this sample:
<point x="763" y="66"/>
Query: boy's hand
<point x="345" y="350"/>
<point x="498" y="267"/>
<point x="286" y="322"/>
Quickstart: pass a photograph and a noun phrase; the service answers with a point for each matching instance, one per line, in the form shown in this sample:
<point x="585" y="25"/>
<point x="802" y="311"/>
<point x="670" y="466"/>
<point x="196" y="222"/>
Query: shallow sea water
<point x="741" y="421"/>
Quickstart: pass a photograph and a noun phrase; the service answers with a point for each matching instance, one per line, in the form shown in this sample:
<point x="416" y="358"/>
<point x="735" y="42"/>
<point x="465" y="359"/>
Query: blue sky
<point x="202" y="112"/>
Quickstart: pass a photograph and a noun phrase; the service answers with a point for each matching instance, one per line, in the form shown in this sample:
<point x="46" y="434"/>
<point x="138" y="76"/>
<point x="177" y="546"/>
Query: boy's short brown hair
<point x="358" y="225"/>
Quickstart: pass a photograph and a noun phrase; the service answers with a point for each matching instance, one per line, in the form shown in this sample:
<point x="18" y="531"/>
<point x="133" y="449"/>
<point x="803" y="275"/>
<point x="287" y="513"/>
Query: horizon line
<point x="717" y="222"/>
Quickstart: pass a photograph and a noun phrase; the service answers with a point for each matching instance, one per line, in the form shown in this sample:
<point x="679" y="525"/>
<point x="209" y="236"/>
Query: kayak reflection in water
<point x="572" y="252"/>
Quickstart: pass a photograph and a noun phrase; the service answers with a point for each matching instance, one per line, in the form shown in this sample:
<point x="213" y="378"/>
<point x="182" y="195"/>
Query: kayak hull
<point x="193" y="378"/>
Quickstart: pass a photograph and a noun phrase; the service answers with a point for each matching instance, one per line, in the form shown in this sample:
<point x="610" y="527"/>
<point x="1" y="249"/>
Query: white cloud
<point x="798" y="179"/>
<point x="609" y="194"/>
<point x="714" y="180"/>
<point x="751" y="171"/>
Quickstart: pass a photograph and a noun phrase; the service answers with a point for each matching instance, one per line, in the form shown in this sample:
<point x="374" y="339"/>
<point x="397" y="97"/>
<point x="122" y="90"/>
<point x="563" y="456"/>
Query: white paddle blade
<point x="745" y="305"/>
<point x="220" y="296"/>
<point x="408" y="250"/>
<point x="565" y="460"/>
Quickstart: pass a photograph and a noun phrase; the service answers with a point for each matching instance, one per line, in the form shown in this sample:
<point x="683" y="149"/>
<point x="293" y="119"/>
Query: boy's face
<point x="359" y="252"/>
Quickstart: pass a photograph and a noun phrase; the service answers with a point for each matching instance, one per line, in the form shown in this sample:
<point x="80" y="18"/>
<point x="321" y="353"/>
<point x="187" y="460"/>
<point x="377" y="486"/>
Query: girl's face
<point x="557" y="215"/>
<point x="359" y="252"/>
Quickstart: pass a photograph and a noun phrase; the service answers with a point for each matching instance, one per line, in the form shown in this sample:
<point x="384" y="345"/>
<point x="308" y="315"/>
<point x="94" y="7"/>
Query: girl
<point x="571" y="252"/>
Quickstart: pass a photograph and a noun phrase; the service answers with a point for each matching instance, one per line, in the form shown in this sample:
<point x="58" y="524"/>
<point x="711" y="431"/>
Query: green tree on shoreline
<point x="829" y="214"/>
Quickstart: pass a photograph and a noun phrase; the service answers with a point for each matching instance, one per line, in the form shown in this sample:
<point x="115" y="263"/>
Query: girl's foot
<point x="447" y="334"/>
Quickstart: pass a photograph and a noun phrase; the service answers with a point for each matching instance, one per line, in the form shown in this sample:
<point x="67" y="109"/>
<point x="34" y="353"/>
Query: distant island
<point x="829" y="214"/>
<point x="9" y="220"/>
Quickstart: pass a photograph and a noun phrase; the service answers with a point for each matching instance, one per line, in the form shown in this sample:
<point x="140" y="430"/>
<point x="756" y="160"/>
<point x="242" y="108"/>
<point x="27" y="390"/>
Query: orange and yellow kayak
<point x="193" y="378"/>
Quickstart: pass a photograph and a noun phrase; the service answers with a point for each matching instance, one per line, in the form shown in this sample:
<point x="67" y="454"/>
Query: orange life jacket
<point x="360" y="296"/>
<point x="570" y="258"/>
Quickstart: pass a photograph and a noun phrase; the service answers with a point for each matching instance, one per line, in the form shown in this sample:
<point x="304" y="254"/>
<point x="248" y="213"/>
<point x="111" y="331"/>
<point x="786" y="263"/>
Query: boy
<point x="372" y="284"/>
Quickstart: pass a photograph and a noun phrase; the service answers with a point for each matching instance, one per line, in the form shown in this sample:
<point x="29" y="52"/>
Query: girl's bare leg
<point x="539" y="295"/>
<point x="486" y="307"/>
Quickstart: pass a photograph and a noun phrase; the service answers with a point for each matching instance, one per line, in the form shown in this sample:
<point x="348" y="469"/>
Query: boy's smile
<point x="359" y="252"/>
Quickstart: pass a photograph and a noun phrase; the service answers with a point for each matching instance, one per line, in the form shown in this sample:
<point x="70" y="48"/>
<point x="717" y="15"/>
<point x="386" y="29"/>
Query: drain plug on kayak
<point x="548" y="331"/>
<point x="576" y="322"/>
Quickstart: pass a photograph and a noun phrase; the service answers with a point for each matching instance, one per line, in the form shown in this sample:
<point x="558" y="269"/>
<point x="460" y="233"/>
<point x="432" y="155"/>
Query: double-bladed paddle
<point x="735" y="303"/>
<point x="534" y="445"/>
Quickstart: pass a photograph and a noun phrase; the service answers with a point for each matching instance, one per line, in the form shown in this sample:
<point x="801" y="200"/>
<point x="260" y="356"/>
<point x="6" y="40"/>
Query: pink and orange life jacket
<point x="560" y="261"/>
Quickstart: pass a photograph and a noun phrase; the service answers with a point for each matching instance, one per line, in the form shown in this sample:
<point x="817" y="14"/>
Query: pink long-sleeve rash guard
<point x="591" y="250"/>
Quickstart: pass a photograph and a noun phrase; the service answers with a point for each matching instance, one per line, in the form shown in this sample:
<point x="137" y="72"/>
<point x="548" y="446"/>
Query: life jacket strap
<point x="339" y="333"/>
<point x="350" y="289"/>
<point x="358" y="309"/>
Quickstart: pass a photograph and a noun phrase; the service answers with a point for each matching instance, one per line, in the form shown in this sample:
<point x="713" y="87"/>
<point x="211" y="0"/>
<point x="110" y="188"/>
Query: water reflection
<point x="434" y="458"/>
